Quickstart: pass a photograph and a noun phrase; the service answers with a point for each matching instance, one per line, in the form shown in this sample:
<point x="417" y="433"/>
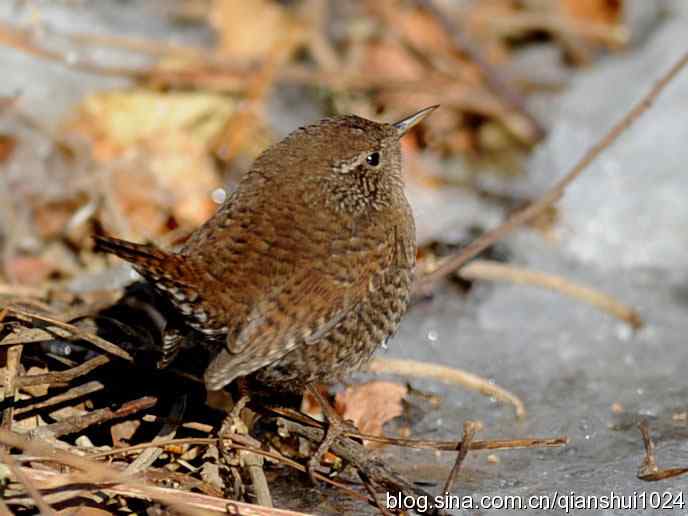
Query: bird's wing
<point x="301" y="311"/>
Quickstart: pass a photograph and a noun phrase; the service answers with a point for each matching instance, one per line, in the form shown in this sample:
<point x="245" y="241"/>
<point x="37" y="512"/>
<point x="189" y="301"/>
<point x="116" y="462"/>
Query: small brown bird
<point x="306" y="269"/>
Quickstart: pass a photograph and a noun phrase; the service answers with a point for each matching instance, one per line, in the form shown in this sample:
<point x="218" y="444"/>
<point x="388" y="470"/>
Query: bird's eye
<point x="373" y="159"/>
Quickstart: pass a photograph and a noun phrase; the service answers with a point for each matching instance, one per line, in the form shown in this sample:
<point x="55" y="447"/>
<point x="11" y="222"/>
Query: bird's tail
<point x="146" y="257"/>
<point x="169" y="273"/>
<point x="166" y="270"/>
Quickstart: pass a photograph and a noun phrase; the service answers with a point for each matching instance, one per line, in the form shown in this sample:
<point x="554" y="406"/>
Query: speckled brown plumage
<point x="306" y="268"/>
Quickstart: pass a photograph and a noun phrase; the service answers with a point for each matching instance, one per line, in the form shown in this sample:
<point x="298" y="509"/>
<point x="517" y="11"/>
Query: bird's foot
<point x="336" y="427"/>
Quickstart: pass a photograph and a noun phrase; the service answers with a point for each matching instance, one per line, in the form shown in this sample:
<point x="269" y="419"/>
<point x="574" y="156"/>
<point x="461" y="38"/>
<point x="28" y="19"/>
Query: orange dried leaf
<point x="389" y="60"/>
<point x="250" y="30"/>
<point x="29" y="270"/>
<point x="121" y="433"/>
<point x="162" y="144"/>
<point x="371" y="405"/>
<point x="51" y="217"/>
<point x="7" y="146"/>
<point x="596" y="11"/>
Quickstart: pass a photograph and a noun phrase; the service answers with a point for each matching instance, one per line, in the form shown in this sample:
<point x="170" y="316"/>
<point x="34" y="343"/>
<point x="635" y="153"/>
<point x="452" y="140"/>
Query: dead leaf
<point x="51" y="217"/>
<point x="36" y="390"/>
<point x="29" y="270"/>
<point x="7" y="146"/>
<point x="160" y="144"/>
<point x="371" y="405"/>
<point x="310" y="405"/>
<point x="117" y="120"/>
<point x="594" y="11"/>
<point x="250" y="30"/>
<point x="388" y="59"/>
<point x="122" y="433"/>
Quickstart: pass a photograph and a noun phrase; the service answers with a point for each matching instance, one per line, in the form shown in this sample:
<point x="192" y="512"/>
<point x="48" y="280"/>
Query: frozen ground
<point x="623" y="229"/>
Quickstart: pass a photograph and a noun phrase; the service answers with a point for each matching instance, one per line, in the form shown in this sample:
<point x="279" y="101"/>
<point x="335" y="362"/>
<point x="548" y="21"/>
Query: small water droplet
<point x="219" y="195"/>
<point x="624" y="332"/>
<point x="432" y="335"/>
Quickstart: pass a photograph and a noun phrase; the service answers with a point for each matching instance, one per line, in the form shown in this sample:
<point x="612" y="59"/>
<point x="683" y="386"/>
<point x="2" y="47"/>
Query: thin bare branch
<point x="448" y="265"/>
<point x="495" y="271"/>
<point x="71" y="425"/>
<point x="446" y="374"/>
<point x="63" y="377"/>
<point x="649" y="471"/>
<point x="469" y="430"/>
<point x="71" y="394"/>
<point x="71" y="330"/>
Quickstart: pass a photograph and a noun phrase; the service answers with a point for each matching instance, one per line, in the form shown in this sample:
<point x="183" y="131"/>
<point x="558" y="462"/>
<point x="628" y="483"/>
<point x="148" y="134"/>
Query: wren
<point x="306" y="268"/>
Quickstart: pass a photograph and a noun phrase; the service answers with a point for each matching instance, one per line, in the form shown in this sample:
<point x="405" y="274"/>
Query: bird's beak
<point x="405" y="124"/>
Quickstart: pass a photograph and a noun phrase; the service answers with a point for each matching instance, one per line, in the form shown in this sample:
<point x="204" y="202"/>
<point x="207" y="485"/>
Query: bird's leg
<point x="336" y="426"/>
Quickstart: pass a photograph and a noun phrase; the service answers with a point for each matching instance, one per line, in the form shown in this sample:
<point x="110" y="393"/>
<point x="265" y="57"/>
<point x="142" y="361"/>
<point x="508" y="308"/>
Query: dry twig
<point x="495" y="271"/>
<point x="12" y="365"/>
<point x="94" y="473"/>
<point x="63" y="377"/>
<point x="71" y="394"/>
<point x="71" y="425"/>
<point x="446" y="374"/>
<point x="649" y="471"/>
<point x="354" y="453"/>
<point x="66" y="330"/>
<point x="469" y="430"/>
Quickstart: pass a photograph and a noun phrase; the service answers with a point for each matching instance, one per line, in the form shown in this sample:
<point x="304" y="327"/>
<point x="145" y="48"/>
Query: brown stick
<point x="496" y="444"/>
<point x="12" y="364"/>
<point x="495" y="271"/>
<point x="356" y="454"/>
<point x="415" y="368"/>
<point x="72" y="332"/>
<point x="451" y="263"/>
<point x="183" y="501"/>
<point x="238" y="442"/>
<point x="97" y="472"/>
<point x="491" y="445"/>
<point x="469" y="430"/>
<point x="649" y="471"/>
<point x="71" y="394"/>
<point x="74" y="424"/>
<point x="63" y="377"/>
<point x="370" y="487"/>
